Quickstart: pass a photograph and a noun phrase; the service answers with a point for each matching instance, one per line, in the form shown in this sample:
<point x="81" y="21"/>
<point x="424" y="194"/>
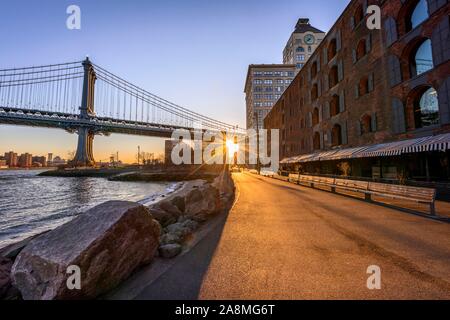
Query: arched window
<point x="363" y="86"/>
<point x="361" y="49"/>
<point x="334" y="105"/>
<point x="366" y="124"/>
<point x="314" y="69"/>
<point x="316" y="141"/>
<point x="421" y="59"/>
<point x="336" y="135"/>
<point x="315" y="116"/>
<point x="418" y="14"/>
<point x="314" y="92"/>
<point x="332" y="49"/>
<point x="333" y="76"/>
<point x="300" y="49"/>
<point x="426" y="108"/>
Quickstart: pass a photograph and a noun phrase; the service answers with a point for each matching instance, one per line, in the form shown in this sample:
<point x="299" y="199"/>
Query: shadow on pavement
<point x="378" y="201"/>
<point x="183" y="281"/>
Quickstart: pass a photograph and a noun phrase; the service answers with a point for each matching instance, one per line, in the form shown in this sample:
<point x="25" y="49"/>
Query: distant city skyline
<point x="195" y="54"/>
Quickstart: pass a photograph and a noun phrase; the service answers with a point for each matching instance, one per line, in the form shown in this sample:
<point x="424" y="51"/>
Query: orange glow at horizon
<point x="41" y="141"/>
<point x="232" y="147"/>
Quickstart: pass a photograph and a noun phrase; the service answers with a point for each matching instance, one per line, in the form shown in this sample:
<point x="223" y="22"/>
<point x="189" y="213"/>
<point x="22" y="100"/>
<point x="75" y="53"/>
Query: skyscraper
<point x="25" y="160"/>
<point x="11" y="159"/>
<point x="266" y="83"/>
<point x="264" y="86"/>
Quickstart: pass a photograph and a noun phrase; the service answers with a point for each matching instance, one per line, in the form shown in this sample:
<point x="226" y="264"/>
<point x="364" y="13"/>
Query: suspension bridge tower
<point x="85" y="155"/>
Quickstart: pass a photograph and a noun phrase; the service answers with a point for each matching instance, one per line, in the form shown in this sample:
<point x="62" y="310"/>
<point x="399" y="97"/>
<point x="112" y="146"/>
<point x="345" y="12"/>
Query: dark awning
<point x="431" y="143"/>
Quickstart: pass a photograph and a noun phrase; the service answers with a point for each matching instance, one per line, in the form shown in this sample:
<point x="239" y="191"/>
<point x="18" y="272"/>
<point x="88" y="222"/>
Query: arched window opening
<point x="333" y="76"/>
<point x="421" y="59"/>
<point x="418" y="14"/>
<point x="334" y="105"/>
<point x="426" y="109"/>
<point x="336" y="135"/>
<point x="315" y="116"/>
<point x="314" y="92"/>
<point x="300" y="49"/>
<point x="366" y="124"/>
<point x="363" y="86"/>
<point x="316" y="141"/>
<point x="332" y="49"/>
<point x="361" y="49"/>
<point x="314" y="69"/>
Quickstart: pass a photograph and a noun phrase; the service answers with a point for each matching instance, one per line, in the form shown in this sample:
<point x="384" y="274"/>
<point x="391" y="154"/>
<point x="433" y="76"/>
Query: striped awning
<point x="424" y="144"/>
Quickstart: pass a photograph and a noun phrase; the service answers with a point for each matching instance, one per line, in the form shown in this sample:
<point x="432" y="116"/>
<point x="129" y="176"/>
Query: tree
<point x="71" y="154"/>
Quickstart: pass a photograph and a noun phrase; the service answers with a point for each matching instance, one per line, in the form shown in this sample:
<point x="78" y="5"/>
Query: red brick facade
<point x="360" y="87"/>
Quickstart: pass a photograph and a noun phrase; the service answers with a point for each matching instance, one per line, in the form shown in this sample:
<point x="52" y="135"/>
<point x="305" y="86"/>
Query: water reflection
<point x="30" y="204"/>
<point x="81" y="190"/>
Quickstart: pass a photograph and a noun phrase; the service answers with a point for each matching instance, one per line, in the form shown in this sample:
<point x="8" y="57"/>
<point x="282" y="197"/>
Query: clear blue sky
<point x="192" y="52"/>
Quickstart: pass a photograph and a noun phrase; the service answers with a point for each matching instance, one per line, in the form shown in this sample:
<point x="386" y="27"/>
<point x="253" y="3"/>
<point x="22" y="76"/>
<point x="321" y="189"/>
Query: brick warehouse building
<point x="373" y="103"/>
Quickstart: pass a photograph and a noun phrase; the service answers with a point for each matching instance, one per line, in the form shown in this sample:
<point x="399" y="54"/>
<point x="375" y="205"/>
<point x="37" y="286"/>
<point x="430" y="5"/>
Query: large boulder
<point x="168" y="211"/>
<point x="5" y="279"/>
<point x="163" y="217"/>
<point x="11" y="251"/>
<point x="107" y="243"/>
<point x="169" y="251"/>
<point x="170" y="238"/>
<point x="224" y="183"/>
<point x="182" y="229"/>
<point x="202" y="201"/>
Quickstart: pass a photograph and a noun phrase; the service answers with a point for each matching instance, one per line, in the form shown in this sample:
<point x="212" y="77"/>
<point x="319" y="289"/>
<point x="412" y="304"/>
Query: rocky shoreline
<point x="78" y="173"/>
<point x="136" y="174"/>
<point x="111" y="241"/>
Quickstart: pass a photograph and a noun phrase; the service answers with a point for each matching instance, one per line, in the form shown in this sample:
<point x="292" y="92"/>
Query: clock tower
<point x="302" y="43"/>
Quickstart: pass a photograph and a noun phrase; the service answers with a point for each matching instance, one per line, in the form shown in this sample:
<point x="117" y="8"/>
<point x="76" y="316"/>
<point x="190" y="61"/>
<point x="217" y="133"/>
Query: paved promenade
<point x="283" y="241"/>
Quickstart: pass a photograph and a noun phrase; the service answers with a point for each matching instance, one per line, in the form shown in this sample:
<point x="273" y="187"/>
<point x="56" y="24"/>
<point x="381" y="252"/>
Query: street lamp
<point x="258" y="166"/>
<point x="139" y="154"/>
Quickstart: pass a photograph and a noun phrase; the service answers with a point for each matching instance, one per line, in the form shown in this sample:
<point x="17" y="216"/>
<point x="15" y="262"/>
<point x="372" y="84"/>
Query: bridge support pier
<point x="84" y="156"/>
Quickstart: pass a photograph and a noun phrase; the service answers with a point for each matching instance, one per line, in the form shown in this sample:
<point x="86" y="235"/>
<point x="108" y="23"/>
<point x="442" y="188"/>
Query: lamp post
<point x="258" y="166"/>
<point x="139" y="154"/>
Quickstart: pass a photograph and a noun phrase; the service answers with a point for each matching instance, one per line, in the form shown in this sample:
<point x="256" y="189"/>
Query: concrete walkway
<point x="283" y="241"/>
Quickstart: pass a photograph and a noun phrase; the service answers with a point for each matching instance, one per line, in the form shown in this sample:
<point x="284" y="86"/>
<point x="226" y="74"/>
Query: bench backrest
<point x="354" y="184"/>
<point x="407" y="191"/>
<point x="306" y="178"/>
<point x="324" y="180"/>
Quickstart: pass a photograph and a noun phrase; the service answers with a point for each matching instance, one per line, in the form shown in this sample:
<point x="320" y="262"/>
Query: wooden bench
<point x="354" y="186"/>
<point x="323" y="181"/>
<point x="306" y="179"/>
<point x="293" y="177"/>
<point x="415" y="194"/>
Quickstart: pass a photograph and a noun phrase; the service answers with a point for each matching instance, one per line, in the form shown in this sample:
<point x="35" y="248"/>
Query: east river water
<point x="30" y="204"/>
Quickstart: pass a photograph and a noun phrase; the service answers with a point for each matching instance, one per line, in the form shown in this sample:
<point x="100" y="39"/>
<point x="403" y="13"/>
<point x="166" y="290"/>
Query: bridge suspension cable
<point x="59" y="88"/>
<point x="152" y="104"/>
<point x="49" y="88"/>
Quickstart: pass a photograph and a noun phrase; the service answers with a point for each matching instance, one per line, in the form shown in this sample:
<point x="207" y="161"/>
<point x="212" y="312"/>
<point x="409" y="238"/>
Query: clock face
<point x="309" y="39"/>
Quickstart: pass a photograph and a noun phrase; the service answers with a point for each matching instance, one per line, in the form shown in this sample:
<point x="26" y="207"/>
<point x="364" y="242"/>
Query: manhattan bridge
<point x="84" y="98"/>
